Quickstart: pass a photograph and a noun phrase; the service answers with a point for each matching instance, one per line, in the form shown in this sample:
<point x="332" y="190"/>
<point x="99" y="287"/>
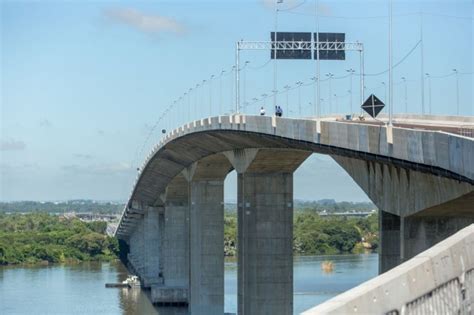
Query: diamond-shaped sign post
<point x="373" y="106"/>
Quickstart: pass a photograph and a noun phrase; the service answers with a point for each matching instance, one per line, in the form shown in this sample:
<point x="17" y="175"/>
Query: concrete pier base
<point x="152" y="247"/>
<point x="176" y="234"/>
<point x="206" y="182"/>
<point x="265" y="229"/>
<point x="265" y="243"/>
<point x="390" y="241"/>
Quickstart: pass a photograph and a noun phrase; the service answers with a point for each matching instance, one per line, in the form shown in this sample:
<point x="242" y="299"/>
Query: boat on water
<point x="131" y="282"/>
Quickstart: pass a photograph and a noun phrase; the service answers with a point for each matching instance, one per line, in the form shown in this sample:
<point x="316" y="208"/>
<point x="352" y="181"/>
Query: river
<point x="79" y="288"/>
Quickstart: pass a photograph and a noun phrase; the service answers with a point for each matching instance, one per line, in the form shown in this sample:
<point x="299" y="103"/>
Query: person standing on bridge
<point x="262" y="111"/>
<point x="278" y="111"/>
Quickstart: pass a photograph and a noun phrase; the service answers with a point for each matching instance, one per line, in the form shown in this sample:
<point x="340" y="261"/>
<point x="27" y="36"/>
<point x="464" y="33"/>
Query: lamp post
<point x="220" y="91"/>
<point x="330" y="75"/>
<point x="245" y="79"/>
<point x="457" y="91"/>
<point x="406" y="95"/>
<point x="287" y="88"/>
<point x="384" y="91"/>
<point x="299" y="84"/>
<point x="428" y="77"/>
<point x="210" y="95"/>
<point x="351" y="72"/>
<point x="315" y="79"/>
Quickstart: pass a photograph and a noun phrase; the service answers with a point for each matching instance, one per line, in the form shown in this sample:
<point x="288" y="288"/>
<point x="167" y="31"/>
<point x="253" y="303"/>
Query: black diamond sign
<point x="373" y="106"/>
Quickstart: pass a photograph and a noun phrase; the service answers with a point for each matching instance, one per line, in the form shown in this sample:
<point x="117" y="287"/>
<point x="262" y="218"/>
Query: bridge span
<point x="420" y="177"/>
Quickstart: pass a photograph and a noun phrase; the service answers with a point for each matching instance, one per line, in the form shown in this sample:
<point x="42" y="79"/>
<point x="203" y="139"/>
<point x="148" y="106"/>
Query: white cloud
<point x="147" y="23"/>
<point x="12" y="145"/>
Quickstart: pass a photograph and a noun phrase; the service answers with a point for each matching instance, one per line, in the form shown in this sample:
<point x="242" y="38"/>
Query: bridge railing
<point x="438" y="281"/>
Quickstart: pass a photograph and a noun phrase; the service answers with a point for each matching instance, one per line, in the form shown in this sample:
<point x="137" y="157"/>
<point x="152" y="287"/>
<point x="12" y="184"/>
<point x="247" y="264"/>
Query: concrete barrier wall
<point x="437" y="281"/>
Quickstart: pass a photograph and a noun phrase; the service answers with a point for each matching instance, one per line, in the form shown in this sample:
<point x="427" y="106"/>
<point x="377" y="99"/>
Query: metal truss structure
<point x="295" y="45"/>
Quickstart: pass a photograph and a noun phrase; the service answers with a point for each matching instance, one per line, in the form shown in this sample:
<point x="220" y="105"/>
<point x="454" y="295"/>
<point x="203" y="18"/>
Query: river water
<point x="79" y="289"/>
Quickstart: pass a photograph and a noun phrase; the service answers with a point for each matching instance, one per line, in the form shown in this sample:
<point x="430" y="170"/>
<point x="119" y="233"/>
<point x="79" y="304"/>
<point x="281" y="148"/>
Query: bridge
<point x="418" y="172"/>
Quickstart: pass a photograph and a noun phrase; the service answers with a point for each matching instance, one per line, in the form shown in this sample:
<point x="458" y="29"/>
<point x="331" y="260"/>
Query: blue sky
<point x="83" y="82"/>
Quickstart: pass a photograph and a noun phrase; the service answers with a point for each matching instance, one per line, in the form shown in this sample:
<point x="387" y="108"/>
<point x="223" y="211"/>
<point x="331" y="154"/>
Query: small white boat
<point x="132" y="281"/>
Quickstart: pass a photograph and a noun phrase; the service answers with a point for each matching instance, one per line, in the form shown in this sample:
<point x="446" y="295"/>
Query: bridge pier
<point x="390" y="241"/>
<point x="152" y="247"/>
<point x="265" y="229"/>
<point x="206" y="186"/>
<point x="176" y="234"/>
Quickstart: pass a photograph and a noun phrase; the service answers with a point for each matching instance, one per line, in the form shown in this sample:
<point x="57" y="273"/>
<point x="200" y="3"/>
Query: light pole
<point x="457" y="90"/>
<point x="189" y="103"/>
<point x="390" y="72"/>
<point x="330" y="75"/>
<point x="210" y="95"/>
<point x="299" y="83"/>
<point x="220" y="92"/>
<point x="384" y="91"/>
<point x="203" y="95"/>
<point x="428" y="77"/>
<point x="406" y="95"/>
<point x="275" y="51"/>
<point x="351" y="72"/>
<point x="287" y="88"/>
<point x="315" y="79"/>
<point x="245" y="79"/>
<point x="335" y="102"/>
<point x="196" y="100"/>
<point x="422" y="65"/>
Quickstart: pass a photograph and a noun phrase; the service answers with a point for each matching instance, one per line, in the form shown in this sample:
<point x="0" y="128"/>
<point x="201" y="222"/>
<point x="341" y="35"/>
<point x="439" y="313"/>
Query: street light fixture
<point x="429" y="92"/>
<point x="406" y="95"/>
<point x="351" y="72"/>
<point x="330" y="75"/>
<point x="315" y="79"/>
<point x="457" y="90"/>
<point x="299" y="84"/>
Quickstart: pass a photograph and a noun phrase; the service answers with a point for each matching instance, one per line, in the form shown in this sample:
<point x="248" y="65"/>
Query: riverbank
<point x="39" y="239"/>
<point x="317" y="235"/>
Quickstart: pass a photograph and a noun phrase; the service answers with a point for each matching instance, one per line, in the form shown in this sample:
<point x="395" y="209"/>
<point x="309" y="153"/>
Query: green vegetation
<point x="315" y="235"/>
<point x="38" y="238"/>
<point x="61" y="207"/>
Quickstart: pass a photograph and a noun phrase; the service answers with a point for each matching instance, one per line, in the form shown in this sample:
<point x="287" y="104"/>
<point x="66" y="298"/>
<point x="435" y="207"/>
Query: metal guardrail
<point x="467" y="131"/>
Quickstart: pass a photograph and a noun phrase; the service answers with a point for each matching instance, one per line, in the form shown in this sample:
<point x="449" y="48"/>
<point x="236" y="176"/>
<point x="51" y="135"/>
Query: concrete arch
<point x="184" y="177"/>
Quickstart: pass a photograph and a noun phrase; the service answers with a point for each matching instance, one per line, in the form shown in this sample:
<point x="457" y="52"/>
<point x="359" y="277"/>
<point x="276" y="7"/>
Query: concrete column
<point x="152" y="247"/>
<point x="390" y="241"/>
<point x="265" y="229"/>
<point x="206" y="181"/>
<point x="176" y="234"/>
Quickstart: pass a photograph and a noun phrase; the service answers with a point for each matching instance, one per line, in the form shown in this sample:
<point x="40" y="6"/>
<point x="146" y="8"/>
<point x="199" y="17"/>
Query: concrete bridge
<point x="419" y="173"/>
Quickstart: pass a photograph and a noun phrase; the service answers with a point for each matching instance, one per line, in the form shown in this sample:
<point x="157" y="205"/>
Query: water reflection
<point x="79" y="288"/>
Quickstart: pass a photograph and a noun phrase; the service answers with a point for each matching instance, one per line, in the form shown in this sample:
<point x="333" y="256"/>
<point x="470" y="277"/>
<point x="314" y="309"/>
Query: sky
<point x="86" y="86"/>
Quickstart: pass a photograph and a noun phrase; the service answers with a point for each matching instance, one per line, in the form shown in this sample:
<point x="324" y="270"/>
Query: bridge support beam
<point x="152" y="247"/>
<point x="176" y="234"/>
<point x="265" y="229"/>
<point x="206" y="183"/>
<point x="390" y="241"/>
